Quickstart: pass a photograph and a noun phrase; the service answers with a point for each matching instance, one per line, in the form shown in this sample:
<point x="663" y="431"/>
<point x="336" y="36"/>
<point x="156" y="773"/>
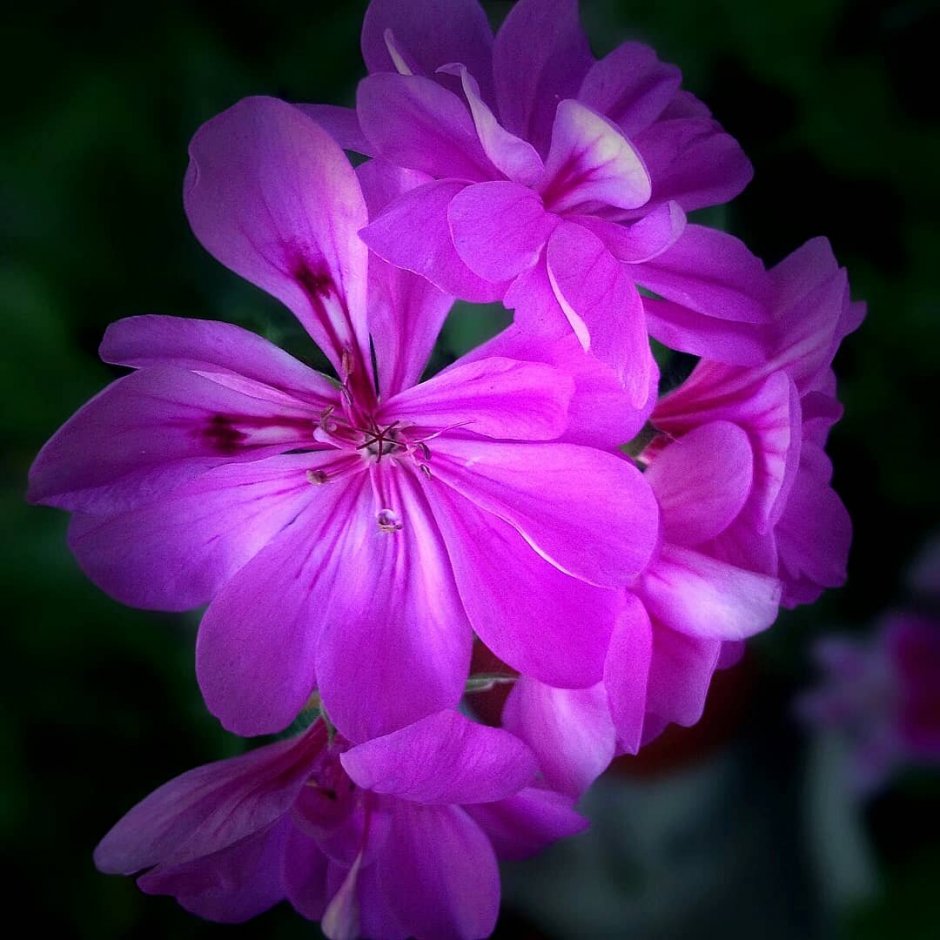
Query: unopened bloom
<point x="392" y="838"/>
<point x="554" y="182"/>
<point x="349" y="535"/>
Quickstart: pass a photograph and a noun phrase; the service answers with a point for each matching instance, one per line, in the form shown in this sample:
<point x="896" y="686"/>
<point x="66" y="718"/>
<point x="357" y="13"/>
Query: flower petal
<point x="341" y="123"/>
<point x="214" y="350"/>
<point x="441" y="880"/>
<point x="394" y="641"/>
<point x="414" y="122"/>
<point x="413" y="233"/>
<point x="680" y="674"/>
<point x="256" y="644"/>
<point x="570" y="731"/>
<point x="630" y="86"/>
<point x="303" y="874"/>
<point x="432" y="33"/>
<point x="406" y="311"/>
<point x="699" y="595"/>
<point x="702" y="481"/>
<point x="692" y="160"/>
<point x="273" y="197"/>
<point x="644" y="239"/>
<point x="210" y="808"/>
<point x="229" y="887"/>
<point x="626" y="674"/>
<point x="154" y="430"/>
<point x="588" y="513"/>
<point x="515" y="158"/>
<point x="175" y="553"/>
<point x="495" y="397"/>
<point x="499" y="228"/>
<point x="713" y="273"/>
<point x="528" y="822"/>
<point x="444" y="758"/>
<point x="540" y="56"/>
<point x="599" y="413"/>
<point x="602" y="306"/>
<point x="536" y="619"/>
<point x="591" y="163"/>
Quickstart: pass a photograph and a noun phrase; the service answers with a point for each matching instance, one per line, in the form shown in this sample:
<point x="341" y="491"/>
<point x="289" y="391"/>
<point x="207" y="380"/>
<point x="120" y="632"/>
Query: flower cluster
<point x="355" y="535"/>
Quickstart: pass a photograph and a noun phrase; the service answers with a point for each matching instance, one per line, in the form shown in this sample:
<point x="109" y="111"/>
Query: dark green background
<point x="834" y="101"/>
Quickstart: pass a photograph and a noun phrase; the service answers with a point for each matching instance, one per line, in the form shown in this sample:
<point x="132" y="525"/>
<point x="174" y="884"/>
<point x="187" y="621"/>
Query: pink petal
<point x="645" y="239"/>
<point x="256" y="644"/>
<point x="431" y="33"/>
<point x="499" y="228"/>
<point x="602" y="306"/>
<point x="175" y="553"/>
<point x="540" y="56"/>
<point x="599" y="413"/>
<point x="413" y="233"/>
<point x="590" y="514"/>
<point x="713" y="273"/>
<point x="814" y="533"/>
<point x="210" y="808"/>
<point x="303" y="874"/>
<point x="272" y="196"/>
<point x="590" y="163"/>
<point x="394" y="641"/>
<point x="630" y="86"/>
<point x="406" y="311"/>
<point x="220" y="351"/>
<point x="537" y="311"/>
<point x="626" y="673"/>
<point x="502" y="398"/>
<point x="536" y="619"/>
<point x="229" y="887"/>
<point x="441" y="881"/>
<point x="702" y="481"/>
<point x="698" y="595"/>
<point x="678" y="327"/>
<point x="570" y="731"/>
<point x="513" y="157"/>
<point x="154" y="430"/>
<point x="342" y="124"/>
<point x="680" y="674"/>
<point x="527" y="823"/>
<point x="444" y="758"/>
<point x="416" y="123"/>
<point x="693" y="161"/>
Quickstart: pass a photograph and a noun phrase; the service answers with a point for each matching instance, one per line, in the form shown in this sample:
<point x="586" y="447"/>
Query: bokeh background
<point x="735" y="828"/>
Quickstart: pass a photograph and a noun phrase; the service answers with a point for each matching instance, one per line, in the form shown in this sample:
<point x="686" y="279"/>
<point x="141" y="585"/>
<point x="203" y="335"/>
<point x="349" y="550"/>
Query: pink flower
<point x="349" y="536"/>
<point x="793" y="525"/>
<point x="880" y="695"/>
<point x="392" y="838"/>
<point x="551" y="181"/>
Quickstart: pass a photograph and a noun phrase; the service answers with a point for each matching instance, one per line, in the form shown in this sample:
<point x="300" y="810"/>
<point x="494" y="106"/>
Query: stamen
<point x="389" y="520"/>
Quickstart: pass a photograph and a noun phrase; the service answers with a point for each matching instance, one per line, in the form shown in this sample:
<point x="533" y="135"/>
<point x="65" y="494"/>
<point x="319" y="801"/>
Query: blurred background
<point x="738" y="827"/>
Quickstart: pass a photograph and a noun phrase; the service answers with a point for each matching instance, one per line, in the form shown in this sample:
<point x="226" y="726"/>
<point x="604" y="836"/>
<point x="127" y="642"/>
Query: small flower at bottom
<point x="392" y="838"/>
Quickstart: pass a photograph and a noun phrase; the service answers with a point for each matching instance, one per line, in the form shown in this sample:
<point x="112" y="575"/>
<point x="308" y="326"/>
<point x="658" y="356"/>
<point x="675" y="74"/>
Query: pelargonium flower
<point x="553" y="182"/>
<point x="349" y="536"/>
<point x="391" y="838"/>
<point x="793" y="525"/>
<point x="879" y="695"/>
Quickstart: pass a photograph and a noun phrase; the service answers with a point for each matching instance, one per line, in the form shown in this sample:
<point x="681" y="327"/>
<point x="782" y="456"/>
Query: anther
<point x="317" y="477"/>
<point x="388" y="520"/>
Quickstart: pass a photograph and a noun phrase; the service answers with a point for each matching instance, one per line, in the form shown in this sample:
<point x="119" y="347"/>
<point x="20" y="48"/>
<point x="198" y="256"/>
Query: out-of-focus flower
<point x="350" y="536"/>
<point x="881" y="696"/>
<point x="393" y="838"/>
<point x="552" y="181"/>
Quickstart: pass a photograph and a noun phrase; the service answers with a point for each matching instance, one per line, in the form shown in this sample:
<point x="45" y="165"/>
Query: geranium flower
<point x="350" y="536"/>
<point x="554" y="182"/>
<point x="392" y="838"/>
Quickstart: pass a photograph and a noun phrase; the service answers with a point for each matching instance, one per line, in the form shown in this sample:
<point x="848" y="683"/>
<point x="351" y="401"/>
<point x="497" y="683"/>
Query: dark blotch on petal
<point x="222" y="435"/>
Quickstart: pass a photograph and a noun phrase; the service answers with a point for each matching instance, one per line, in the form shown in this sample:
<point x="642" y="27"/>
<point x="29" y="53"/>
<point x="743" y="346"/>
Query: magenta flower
<point x="392" y="838"/>
<point x="793" y="525"/>
<point x="349" y="536"/>
<point x="880" y="695"/>
<point x="553" y="182"/>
